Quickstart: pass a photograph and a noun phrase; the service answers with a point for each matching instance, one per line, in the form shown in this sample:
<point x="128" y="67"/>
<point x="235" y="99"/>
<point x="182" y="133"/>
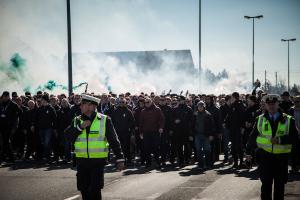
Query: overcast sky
<point x="37" y="28"/>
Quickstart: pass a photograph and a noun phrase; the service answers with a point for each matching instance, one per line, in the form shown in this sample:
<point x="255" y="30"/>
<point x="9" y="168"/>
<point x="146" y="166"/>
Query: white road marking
<point x="73" y="197"/>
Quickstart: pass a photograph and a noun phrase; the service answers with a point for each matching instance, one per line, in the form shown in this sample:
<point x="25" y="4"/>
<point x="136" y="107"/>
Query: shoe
<point x="235" y="165"/>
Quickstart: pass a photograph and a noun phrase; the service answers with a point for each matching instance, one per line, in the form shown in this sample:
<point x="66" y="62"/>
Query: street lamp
<point x="288" y="41"/>
<point x="253" y="17"/>
<point x="70" y="77"/>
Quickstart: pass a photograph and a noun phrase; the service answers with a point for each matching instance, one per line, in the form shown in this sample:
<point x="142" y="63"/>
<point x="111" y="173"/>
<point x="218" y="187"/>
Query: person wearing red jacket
<point x="151" y="126"/>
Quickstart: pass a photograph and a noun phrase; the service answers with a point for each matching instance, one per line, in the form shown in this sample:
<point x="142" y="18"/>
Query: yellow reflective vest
<point x="94" y="144"/>
<point x="265" y="135"/>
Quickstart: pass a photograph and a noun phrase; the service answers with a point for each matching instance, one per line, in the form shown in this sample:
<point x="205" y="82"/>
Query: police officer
<point x="273" y="134"/>
<point x="92" y="133"/>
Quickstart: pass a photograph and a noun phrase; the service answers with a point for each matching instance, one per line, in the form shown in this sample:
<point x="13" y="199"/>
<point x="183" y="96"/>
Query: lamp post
<point x="288" y="41"/>
<point x="253" y="17"/>
<point x="70" y="78"/>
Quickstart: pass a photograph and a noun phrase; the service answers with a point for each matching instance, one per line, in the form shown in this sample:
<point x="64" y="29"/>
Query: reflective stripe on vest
<point x="94" y="144"/>
<point x="265" y="135"/>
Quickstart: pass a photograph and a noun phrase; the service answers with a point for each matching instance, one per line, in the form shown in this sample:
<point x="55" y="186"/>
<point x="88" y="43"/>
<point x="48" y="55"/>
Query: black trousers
<point x="177" y="147"/>
<point x="151" y="143"/>
<point x="6" y="143"/>
<point x="124" y="138"/>
<point x="273" y="169"/>
<point x="90" y="177"/>
<point x="32" y="143"/>
<point x="236" y="146"/>
<point x="164" y="146"/>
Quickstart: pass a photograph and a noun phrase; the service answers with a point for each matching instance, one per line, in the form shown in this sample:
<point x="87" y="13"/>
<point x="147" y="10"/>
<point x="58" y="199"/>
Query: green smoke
<point x="17" y="62"/>
<point x="15" y="71"/>
<point x="52" y="85"/>
<point x="79" y="85"/>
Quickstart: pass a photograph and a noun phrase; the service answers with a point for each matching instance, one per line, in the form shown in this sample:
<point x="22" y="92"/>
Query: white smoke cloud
<point x="37" y="30"/>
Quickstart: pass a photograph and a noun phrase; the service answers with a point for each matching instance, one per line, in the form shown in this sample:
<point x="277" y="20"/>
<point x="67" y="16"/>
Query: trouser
<point x="236" y="146"/>
<point x="139" y="146"/>
<point x="90" y="178"/>
<point x="188" y="146"/>
<point x="203" y="150"/>
<point x="225" y="140"/>
<point x="61" y="147"/>
<point x="67" y="149"/>
<point x="6" y="143"/>
<point x="124" y="138"/>
<point x="18" y="142"/>
<point x="295" y="154"/>
<point x="215" y="149"/>
<point x="177" y="144"/>
<point x="273" y="168"/>
<point x="151" y="144"/>
<point x="164" y="146"/>
<point x="31" y="145"/>
<point x="46" y="135"/>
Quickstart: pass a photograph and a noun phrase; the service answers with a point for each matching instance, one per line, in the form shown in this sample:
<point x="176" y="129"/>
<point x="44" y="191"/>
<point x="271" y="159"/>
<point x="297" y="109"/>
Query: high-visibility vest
<point x="265" y="135"/>
<point x="94" y="144"/>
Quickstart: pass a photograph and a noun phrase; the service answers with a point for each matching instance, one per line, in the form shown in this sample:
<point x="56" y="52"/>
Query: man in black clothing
<point x="165" y="137"/>
<point x="64" y="118"/>
<point x="32" y="137"/>
<point x="46" y="122"/>
<point x="9" y="113"/>
<point x="19" y="137"/>
<point x="104" y="106"/>
<point x="286" y="103"/>
<point x="225" y="108"/>
<point x="235" y="124"/>
<point x="216" y="114"/>
<point x="182" y="116"/>
<point x="56" y="141"/>
<point x="75" y="109"/>
<point x="123" y="121"/>
<point x="250" y="117"/>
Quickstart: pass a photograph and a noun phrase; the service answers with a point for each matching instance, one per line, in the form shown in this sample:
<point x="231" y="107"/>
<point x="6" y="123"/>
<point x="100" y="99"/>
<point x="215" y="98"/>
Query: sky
<point x="37" y="30"/>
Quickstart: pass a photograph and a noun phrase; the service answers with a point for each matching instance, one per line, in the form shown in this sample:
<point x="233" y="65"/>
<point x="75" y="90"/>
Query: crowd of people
<point x="154" y="130"/>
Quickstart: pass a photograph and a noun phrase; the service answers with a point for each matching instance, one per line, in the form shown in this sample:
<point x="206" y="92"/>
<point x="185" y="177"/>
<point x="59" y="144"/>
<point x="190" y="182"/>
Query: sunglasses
<point x="147" y="102"/>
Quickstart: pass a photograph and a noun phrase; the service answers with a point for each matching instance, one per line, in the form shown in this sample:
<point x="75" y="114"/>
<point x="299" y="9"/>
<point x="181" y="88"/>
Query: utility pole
<point x="70" y="77"/>
<point x="265" y="80"/>
<point x="200" y="69"/>
<point x="288" y="41"/>
<point x="276" y="84"/>
<point x="253" y="18"/>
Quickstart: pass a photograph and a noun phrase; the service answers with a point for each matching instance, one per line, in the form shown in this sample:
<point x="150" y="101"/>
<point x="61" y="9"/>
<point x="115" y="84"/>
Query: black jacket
<point x="23" y="117"/>
<point x="185" y="114"/>
<point x="286" y="106"/>
<point x="31" y="118"/>
<point x="46" y="117"/>
<point x="123" y="120"/>
<point x="224" y="112"/>
<point x="250" y="115"/>
<point x="236" y="117"/>
<point x="167" y="111"/>
<point x="209" y="126"/>
<point x="75" y="111"/>
<point x="64" y="118"/>
<point x="216" y="114"/>
<point x="9" y="114"/>
<point x="71" y="133"/>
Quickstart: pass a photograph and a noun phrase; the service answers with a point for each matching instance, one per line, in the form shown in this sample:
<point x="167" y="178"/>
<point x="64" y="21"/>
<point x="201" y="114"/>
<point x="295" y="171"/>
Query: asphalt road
<point x="31" y="181"/>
